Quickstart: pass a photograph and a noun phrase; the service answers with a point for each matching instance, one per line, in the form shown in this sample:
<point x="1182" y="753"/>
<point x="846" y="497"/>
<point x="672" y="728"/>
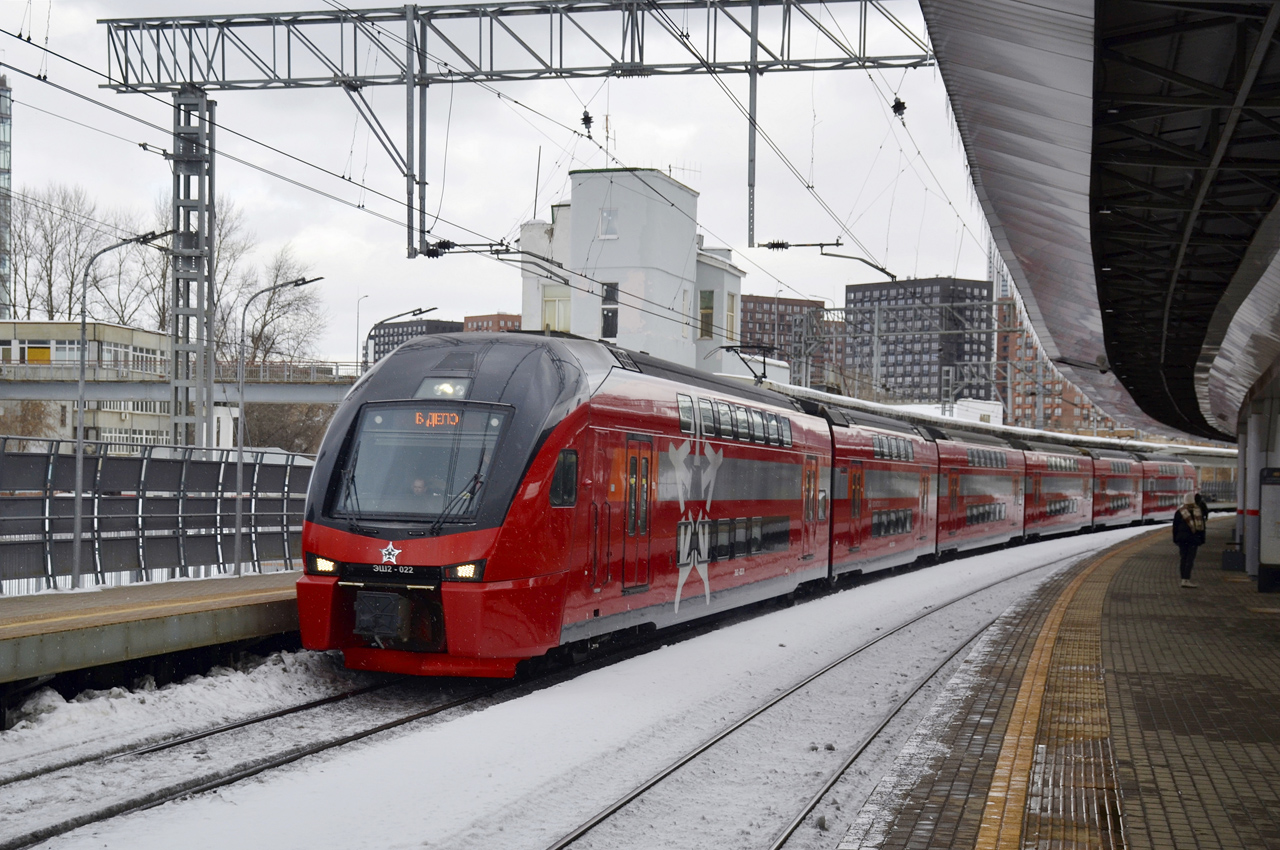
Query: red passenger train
<point x="482" y="499"/>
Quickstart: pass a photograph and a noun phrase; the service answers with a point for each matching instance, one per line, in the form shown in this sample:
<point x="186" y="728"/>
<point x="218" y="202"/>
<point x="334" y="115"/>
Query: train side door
<point x="639" y="476"/>
<point x="855" y="505"/>
<point x="608" y="509"/>
<point x="809" y="509"/>
<point x="922" y="520"/>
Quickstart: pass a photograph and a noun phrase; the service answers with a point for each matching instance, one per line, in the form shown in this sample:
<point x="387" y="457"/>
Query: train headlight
<point x="321" y="566"/>
<point x="470" y="571"/>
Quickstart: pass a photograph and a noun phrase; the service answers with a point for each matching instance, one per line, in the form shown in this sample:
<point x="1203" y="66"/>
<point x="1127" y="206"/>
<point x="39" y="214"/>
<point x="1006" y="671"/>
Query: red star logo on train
<point x="389" y="554"/>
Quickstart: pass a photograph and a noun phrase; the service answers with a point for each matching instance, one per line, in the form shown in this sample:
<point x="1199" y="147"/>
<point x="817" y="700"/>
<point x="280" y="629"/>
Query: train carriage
<point x="979" y="491"/>
<point x="884" y="478"/>
<point x="1058" y="488"/>
<point x="1117" y="488"/>
<point x="1166" y="481"/>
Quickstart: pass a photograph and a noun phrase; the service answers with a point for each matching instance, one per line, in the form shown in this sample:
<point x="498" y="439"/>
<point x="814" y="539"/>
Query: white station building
<point x="622" y="261"/>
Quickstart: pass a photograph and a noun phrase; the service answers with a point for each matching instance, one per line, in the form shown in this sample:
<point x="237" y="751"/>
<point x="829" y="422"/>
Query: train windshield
<point x="419" y="461"/>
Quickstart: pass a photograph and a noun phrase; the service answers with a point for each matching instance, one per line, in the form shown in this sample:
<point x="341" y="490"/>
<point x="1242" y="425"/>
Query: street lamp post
<point x="302" y="281"/>
<point x="417" y="312"/>
<point x="358" y="346"/>
<point x="77" y="529"/>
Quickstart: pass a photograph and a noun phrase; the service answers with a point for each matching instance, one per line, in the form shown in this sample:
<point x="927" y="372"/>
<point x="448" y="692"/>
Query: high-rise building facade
<point x="927" y="340"/>
<point x="386" y="337"/>
<point x="800" y="332"/>
<point x="491" y="323"/>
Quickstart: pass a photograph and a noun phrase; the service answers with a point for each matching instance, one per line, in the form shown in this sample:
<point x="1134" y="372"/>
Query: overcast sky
<point x="834" y="126"/>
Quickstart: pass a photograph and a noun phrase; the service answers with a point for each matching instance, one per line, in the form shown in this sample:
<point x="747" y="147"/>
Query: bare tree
<point x="282" y="324"/>
<point x="292" y="427"/>
<point x="29" y="418"/>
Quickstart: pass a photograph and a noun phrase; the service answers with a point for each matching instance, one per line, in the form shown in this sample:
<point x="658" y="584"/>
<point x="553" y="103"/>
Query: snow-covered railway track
<point x="117" y="784"/>
<point x="110" y="752"/>
<point x="614" y="809"/>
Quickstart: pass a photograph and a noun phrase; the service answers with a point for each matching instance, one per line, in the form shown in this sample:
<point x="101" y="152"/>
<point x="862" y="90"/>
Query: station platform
<point x="49" y="633"/>
<point x="1113" y="709"/>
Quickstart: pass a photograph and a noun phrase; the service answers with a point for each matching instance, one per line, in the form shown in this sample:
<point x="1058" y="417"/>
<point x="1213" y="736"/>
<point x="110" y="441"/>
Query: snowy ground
<point x="523" y="772"/>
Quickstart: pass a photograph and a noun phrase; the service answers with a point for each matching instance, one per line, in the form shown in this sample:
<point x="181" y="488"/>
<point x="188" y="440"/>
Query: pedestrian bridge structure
<point x="301" y="382"/>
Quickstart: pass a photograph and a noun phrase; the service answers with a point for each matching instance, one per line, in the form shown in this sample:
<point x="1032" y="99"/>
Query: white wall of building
<point x="636" y="229"/>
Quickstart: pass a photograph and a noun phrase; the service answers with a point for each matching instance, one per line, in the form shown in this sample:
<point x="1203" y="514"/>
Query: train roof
<point x="1046" y="446"/>
<point x="958" y="436"/>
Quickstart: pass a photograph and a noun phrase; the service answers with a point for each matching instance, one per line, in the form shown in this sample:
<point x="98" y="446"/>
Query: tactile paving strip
<point x="1073" y="799"/>
<point x="945" y="808"/>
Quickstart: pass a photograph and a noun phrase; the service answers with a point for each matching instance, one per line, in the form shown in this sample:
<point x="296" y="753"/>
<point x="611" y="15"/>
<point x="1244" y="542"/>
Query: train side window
<point x="724" y="530"/>
<point x="726" y="419"/>
<point x="708" y="417"/>
<point x="740" y="424"/>
<point x="757" y="426"/>
<point x="740" y="531"/>
<point x="786" y="431"/>
<point x="685" y="403"/>
<point x="777" y="534"/>
<point x="775" y="433"/>
<point x="822" y="505"/>
<point x="757" y="534"/>
<point x="564" y="483"/>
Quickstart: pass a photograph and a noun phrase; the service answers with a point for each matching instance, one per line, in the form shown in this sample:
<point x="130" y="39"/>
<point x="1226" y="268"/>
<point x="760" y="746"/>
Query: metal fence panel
<point x="21" y="561"/>
<point x="157" y="513"/>
<point x="22" y="471"/>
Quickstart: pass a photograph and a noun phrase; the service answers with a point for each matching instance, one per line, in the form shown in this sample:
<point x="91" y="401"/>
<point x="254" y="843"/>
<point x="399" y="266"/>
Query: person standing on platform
<point x="1188" y="534"/>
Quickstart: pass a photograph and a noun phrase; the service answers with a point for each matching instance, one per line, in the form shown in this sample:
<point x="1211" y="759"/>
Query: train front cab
<point x="884" y="479"/>
<point x="1166" y="481"/>
<point x="431" y="542"/>
<point x="980" y="498"/>
<point x="1058" y="489"/>
<point x="1117" y="488"/>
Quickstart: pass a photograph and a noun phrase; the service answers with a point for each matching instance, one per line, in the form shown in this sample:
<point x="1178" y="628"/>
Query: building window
<point x="555" y="308"/>
<point x="609" y="312"/>
<point x="706" y="314"/>
<point x="730" y="317"/>
<point x="608" y="224"/>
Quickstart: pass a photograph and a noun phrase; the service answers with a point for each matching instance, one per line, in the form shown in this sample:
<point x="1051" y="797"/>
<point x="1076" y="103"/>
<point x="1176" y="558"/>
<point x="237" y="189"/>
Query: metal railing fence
<point x="159" y="369"/>
<point x="151" y="514"/>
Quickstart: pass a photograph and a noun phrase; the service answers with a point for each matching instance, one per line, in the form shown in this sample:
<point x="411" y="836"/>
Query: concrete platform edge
<point x="77" y="649"/>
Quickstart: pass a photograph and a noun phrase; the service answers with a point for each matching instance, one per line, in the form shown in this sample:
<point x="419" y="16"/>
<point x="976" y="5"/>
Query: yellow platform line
<point x="116" y="615"/>
<point x="1002" y="816"/>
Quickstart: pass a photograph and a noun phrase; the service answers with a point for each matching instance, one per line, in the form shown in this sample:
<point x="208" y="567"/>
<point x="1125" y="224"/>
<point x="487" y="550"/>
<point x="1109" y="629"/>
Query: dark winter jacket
<point x="1188" y="526"/>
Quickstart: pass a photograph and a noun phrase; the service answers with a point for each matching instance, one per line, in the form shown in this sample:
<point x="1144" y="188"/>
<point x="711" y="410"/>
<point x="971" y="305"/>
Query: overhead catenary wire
<point x="222" y="127"/>
<point x="402" y="42"/>
<point x="300" y="184"/>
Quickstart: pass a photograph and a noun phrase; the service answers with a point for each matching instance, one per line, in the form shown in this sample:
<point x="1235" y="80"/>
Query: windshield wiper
<point x="468" y="492"/>
<point x="351" y="497"/>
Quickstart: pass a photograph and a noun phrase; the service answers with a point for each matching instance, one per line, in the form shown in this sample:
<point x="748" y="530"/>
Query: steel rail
<point x="129" y="750"/>
<point x="201" y="784"/>
<point x="839" y="773"/>
<point x="615" y="807"/>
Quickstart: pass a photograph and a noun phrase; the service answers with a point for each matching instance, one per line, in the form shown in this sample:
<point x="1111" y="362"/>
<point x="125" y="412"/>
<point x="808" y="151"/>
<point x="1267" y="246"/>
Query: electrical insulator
<point x="899" y="107"/>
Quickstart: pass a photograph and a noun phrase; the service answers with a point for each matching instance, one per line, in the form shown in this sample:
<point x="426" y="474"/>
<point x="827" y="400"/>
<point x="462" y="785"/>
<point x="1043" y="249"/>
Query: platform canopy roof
<point x="1126" y="154"/>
